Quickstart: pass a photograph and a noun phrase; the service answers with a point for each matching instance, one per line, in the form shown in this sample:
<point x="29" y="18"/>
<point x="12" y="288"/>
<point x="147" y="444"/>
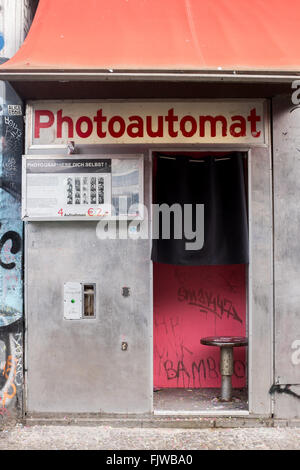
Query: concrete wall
<point x="286" y="130"/>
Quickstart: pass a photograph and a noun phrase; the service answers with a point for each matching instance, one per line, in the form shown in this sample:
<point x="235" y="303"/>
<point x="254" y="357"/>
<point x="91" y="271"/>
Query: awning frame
<point x="177" y="76"/>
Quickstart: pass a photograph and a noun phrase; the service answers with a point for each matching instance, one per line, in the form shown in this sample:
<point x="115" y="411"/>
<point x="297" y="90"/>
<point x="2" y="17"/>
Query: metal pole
<point x="226" y="368"/>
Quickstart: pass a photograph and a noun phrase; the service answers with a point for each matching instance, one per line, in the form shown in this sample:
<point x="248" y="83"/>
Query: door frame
<point x="258" y="397"/>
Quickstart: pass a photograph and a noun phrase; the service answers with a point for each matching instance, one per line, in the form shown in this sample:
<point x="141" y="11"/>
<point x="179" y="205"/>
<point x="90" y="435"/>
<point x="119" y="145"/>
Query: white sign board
<point x="149" y="122"/>
<point x="82" y="187"/>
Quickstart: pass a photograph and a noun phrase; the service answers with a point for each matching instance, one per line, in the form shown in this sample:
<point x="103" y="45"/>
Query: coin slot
<point x="89" y="300"/>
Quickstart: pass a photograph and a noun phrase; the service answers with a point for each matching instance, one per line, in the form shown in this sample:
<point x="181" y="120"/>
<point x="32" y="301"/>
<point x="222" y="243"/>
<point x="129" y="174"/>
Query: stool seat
<point x="225" y="341"/>
<point x="226" y="345"/>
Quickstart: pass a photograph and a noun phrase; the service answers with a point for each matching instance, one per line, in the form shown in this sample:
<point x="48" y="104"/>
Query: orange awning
<point x="130" y="36"/>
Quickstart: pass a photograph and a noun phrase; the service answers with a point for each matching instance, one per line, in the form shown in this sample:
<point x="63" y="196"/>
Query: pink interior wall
<point x="191" y="302"/>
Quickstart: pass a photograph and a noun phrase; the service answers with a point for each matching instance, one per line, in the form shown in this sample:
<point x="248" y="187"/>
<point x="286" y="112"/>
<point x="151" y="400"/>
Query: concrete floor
<point x="197" y="400"/>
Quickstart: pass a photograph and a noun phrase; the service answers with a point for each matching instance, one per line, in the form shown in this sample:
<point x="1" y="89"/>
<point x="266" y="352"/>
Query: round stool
<point x="226" y="345"/>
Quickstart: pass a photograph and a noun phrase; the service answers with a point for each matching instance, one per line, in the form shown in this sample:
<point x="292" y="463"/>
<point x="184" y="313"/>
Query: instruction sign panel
<point x="80" y="187"/>
<point x="68" y="187"/>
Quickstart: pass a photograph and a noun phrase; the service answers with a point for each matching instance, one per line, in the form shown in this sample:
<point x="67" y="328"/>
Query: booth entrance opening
<point x="200" y="292"/>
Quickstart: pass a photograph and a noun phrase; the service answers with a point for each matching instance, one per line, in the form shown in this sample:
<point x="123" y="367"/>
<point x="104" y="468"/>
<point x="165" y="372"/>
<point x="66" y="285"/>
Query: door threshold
<point x="211" y="413"/>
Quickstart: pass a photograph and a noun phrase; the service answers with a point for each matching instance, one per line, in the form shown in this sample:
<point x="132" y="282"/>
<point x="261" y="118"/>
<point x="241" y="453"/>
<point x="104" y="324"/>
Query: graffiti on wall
<point x="11" y="235"/>
<point x="11" y="363"/>
<point x="11" y="302"/>
<point x="287" y="389"/>
<point x="191" y="303"/>
<point x="15" y="239"/>
<point x="209" y="302"/>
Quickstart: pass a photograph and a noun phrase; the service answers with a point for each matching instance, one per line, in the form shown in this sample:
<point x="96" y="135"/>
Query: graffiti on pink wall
<point x="191" y="302"/>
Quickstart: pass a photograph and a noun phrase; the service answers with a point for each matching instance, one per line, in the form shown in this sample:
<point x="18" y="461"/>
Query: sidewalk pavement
<point x="55" y="437"/>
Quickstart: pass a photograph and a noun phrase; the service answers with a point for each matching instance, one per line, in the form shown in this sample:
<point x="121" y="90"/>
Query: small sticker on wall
<point x="14" y="110"/>
<point x="2" y="41"/>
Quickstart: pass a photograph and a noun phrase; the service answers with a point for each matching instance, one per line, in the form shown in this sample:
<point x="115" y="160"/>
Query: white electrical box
<point x="72" y="301"/>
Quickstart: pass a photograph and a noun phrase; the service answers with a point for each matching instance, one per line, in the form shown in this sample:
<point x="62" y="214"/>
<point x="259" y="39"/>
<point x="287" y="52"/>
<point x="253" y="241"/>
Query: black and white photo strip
<point x="85" y="190"/>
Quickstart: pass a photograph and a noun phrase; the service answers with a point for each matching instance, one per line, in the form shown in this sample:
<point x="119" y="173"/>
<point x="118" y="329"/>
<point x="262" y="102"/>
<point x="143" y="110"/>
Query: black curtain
<point x="219" y="184"/>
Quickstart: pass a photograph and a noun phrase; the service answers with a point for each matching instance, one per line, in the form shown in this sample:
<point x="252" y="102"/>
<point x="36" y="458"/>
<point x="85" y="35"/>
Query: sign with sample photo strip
<point x="81" y="187"/>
